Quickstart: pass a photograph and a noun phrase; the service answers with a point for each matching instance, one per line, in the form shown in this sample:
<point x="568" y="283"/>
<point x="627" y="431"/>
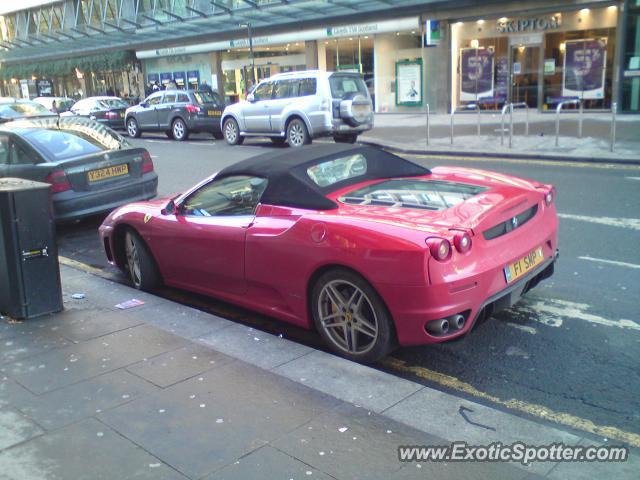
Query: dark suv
<point x="177" y="113"/>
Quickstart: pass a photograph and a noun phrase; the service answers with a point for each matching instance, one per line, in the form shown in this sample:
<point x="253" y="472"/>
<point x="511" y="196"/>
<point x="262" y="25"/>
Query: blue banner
<point x="179" y="78"/>
<point x="153" y="78"/>
<point x="165" y="77"/>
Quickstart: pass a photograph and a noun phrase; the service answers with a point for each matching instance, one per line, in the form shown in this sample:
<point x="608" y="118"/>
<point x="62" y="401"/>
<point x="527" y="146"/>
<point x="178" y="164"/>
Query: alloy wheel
<point x="348" y="317"/>
<point x="133" y="260"/>
<point x="132" y="127"/>
<point x="178" y="129"/>
<point x="296" y="134"/>
<point x="231" y="131"/>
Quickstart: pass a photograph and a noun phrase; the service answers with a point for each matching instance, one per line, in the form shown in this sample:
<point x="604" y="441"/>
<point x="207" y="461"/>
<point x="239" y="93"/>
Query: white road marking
<point x="632" y="178"/>
<point x="552" y="312"/>
<point x="632" y="223"/>
<point x="611" y="262"/>
<point x="524" y="328"/>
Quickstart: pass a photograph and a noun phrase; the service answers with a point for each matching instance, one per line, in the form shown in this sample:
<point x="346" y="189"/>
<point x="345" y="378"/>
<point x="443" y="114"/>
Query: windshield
<point x="343" y="85"/>
<point x="413" y="193"/>
<point x="207" y="97"/>
<point x="22" y="109"/>
<point x="73" y="140"/>
<point x="113" y="103"/>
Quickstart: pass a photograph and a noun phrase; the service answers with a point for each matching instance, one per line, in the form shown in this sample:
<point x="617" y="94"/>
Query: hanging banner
<point x="180" y="79"/>
<point x="584" y="68"/>
<point x="165" y="78"/>
<point x="44" y="88"/>
<point x="476" y="73"/>
<point x="409" y="83"/>
<point x="502" y="77"/>
<point x="153" y="78"/>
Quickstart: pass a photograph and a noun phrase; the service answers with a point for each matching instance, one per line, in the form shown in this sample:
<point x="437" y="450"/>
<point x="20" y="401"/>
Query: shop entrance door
<point x="525" y="67"/>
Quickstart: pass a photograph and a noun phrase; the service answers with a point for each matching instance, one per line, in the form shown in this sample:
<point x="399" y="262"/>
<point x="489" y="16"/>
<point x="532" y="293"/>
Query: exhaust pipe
<point x="456" y="321"/>
<point x="438" y="327"/>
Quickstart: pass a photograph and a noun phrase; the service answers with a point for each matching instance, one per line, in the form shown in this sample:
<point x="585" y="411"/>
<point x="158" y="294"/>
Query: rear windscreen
<point x="344" y="85"/>
<point x="70" y="142"/>
<point x="207" y="97"/>
<point x="113" y="103"/>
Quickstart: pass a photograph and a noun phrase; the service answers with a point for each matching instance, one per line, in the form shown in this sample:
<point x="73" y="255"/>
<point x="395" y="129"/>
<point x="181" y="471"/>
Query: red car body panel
<point x="266" y="262"/>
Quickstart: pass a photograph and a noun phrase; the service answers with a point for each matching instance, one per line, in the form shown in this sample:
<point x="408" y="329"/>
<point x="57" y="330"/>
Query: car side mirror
<point x="144" y="104"/>
<point x="251" y="98"/>
<point x="170" y="208"/>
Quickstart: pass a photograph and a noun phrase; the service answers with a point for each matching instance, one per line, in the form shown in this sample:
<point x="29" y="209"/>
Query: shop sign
<point x="528" y="24"/>
<point x="193" y="76"/>
<point x="153" y="78"/>
<point x="584" y="68"/>
<point x="44" y="88"/>
<point x="409" y="83"/>
<point x="370" y="28"/>
<point x="165" y="78"/>
<point x="431" y="33"/>
<point x="476" y="73"/>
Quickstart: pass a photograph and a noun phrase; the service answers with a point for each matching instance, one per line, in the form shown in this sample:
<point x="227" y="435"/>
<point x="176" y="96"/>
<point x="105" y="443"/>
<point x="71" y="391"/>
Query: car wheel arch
<point x="321" y="270"/>
<point x="298" y="116"/>
<point x="227" y="117"/>
<point x="118" y="237"/>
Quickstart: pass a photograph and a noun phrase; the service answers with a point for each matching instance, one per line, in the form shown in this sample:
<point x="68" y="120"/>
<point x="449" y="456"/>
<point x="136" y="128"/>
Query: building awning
<point x="218" y="20"/>
<point x="90" y="63"/>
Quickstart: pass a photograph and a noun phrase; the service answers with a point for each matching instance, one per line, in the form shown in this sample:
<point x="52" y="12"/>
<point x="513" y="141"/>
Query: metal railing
<point x="428" y="126"/>
<point x="559" y="109"/>
<point x="510" y="106"/>
<point x="453" y="112"/>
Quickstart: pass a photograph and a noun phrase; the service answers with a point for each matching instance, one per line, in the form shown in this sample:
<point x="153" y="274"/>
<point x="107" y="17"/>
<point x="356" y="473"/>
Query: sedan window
<point x="169" y="98"/>
<point x="286" y="89"/>
<point x="183" y="98"/>
<point x="154" y="99"/>
<point x="236" y="195"/>
<point x="263" y="91"/>
<point x="72" y="142"/>
<point x="4" y="149"/>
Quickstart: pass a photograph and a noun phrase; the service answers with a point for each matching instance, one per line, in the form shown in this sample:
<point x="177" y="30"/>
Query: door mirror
<point x="170" y="208"/>
<point x="251" y="98"/>
<point x="144" y="104"/>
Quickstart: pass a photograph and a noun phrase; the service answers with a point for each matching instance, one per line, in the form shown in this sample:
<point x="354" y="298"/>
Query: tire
<point x="132" y="128"/>
<point x="169" y="134"/>
<point x="179" y="130"/>
<point x="352" y="138"/>
<point x="218" y="135"/>
<point x="351" y="317"/>
<point x="297" y="133"/>
<point x="278" y="140"/>
<point x="140" y="265"/>
<point x="231" y="132"/>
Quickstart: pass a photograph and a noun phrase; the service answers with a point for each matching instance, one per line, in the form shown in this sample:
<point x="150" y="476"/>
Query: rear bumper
<point x="475" y="296"/>
<point x="73" y="205"/>
<point x="115" y="124"/>
<point x="204" y="124"/>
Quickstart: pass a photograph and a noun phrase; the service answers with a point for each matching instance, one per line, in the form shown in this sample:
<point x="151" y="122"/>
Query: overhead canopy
<point x="289" y="182"/>
<point x="165" y="23"/>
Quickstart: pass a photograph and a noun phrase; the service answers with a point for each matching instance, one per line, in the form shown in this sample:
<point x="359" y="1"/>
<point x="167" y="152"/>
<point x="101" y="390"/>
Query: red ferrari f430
<point x="370" y="249"/>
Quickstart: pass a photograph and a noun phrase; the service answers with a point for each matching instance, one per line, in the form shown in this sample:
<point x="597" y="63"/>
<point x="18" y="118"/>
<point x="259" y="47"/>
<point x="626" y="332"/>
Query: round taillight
<point x="440" y="248"/>
<point x="548" y="198"/>
<point x="462" y="242"/>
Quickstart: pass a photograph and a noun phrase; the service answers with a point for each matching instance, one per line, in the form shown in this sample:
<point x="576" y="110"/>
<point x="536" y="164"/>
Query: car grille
<point x="507" y="226"/>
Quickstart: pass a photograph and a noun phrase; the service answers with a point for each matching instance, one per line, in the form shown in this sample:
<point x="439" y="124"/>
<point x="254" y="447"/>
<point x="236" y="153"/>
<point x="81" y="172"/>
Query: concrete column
<point x="216" y="69"/>
<point x="311" y="51"/>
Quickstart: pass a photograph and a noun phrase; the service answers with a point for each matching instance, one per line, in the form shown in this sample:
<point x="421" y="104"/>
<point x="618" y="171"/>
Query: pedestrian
<point x="155" y="87"/>
<point x="205" y="87"/>
<point x="54" y="107"/>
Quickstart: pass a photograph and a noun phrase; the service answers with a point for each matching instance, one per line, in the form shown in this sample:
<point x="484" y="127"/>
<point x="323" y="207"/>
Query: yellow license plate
<point x="213" y="113"/>
<point x="109" y="172"/>
<point x="524" y="265"/>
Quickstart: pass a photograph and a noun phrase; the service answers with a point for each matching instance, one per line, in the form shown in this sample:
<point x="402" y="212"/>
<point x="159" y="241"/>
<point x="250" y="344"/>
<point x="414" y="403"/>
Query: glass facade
<point x="630" y="78"/>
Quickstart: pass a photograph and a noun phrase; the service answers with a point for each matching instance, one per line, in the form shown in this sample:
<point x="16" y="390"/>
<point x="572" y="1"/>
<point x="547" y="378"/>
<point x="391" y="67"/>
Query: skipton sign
<point x="528" y="24"/>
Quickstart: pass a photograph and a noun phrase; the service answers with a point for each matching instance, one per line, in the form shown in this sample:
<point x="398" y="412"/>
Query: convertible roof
<point x="290" y="186"/>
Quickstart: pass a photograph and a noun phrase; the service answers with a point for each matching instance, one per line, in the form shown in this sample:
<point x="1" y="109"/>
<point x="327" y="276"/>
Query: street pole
<point x="253" y="62"/>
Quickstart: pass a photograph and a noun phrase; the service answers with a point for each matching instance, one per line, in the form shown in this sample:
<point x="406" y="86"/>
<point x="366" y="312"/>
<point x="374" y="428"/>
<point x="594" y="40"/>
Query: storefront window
<point x="631" y="60"/>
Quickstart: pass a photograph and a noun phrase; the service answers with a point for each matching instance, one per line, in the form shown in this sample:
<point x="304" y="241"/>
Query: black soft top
<point x="290" y="186"/>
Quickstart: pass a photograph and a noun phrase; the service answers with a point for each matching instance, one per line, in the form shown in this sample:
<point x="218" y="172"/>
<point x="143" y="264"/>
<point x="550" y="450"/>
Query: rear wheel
<point x="179" y="130"/>
<point x="132" y="128"/>
<point x="351" y="317"/>
<point x="231" y="132"/>
<point x="351" y="138"/>
<point x="141" y="266"/>
<point x="297" y="133"/>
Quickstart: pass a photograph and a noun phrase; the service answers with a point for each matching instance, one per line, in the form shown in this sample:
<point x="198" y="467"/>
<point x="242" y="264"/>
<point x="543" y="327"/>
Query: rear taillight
<point x="192" y="108"/>
<point x="550" y="196"/>
<point x="112" y="115"/>
<point x="147" y="163"/>
<point x="462" y="241"/>
<point x="440" y="248"/>
<point x="59" y="181"/>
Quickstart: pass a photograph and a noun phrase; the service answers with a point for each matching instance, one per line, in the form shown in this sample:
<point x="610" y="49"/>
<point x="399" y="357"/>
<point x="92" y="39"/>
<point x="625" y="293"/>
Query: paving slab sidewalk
<point x="163" y="391"/>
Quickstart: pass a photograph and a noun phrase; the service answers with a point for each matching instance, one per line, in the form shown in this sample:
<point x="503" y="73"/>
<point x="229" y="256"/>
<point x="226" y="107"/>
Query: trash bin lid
<point x="9" y="184"/>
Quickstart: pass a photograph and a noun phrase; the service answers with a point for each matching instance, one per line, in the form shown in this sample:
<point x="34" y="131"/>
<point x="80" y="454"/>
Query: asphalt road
<point x="571" y="346"/>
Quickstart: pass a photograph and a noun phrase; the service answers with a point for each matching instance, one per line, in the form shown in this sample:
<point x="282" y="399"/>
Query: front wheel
<point x="351" y="138"/>
<point x="297" y="133"/>
<point x="132" y="128"/>
<point x="232" y="132"/>
<point x="351" y="317"/>
<point x="179" y="130"/>
<point x="141" y="266"/>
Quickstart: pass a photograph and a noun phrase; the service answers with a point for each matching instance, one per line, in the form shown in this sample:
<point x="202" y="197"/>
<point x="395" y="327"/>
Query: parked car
<point x="178" y="113"/>
<point x="365" y="246"/>
<point x="12" y="109"/>
<point x="105" y="110"/>
<point x="91" y="168"/>
<point x="63" y="104"/>
<point x="296" y="107"/>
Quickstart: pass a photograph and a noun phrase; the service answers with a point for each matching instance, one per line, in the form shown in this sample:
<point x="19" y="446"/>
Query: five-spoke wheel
<point x="140" y="265"/>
